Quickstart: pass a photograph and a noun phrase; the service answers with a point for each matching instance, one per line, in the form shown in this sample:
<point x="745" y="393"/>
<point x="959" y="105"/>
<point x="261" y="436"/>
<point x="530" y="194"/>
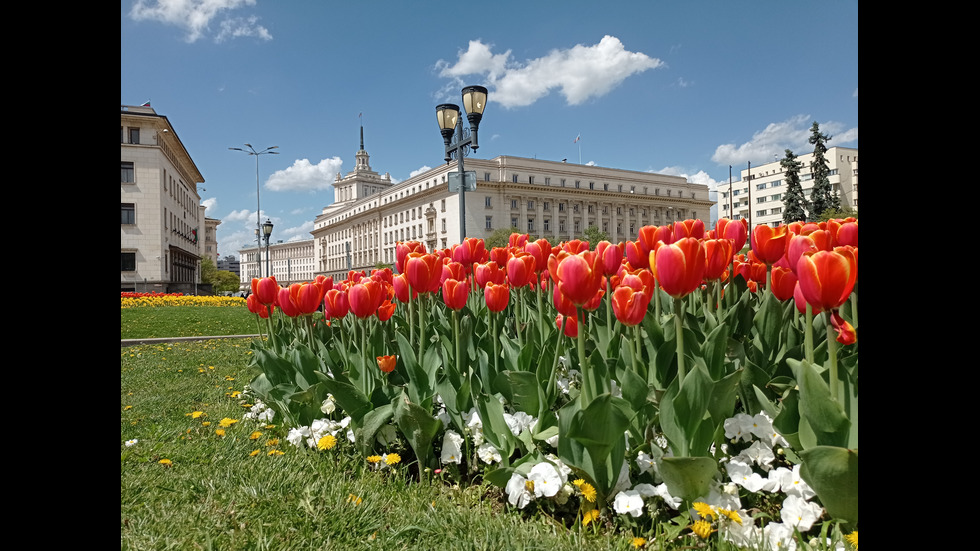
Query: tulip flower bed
<point x="670" y="385"/>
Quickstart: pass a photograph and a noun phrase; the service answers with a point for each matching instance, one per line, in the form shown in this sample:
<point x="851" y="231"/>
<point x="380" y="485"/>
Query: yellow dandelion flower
<point x="732" y="515"/>
<point x="227" y="422"/>
<point x="392" y="458"/>
<point x="351" y="498"/>
<point x="704" y="510"/>
<point x="272" y="442"/>
<point x="220" y="432"/>
<point x="326" y="443"/>
<point x="205" y="423"/>
<point x="589" y="516"/>
<point x="373" y="458"/>
<point x="578" y="482"/>
<point x="702" y="528"/>
<point x="128" y="407"/>
<point x="255" y="435"/>
<point x="195" y="414"/>
<point x="254" y="453"/>
<point x="639" y="542"/>
<point x="852" y="538"/>
<point x="588" y="492"/>
<point x="165" y="462"/>
<point x="276" y="452"/>
<point x="235" y="393"/>
<point x="269" y="427"/>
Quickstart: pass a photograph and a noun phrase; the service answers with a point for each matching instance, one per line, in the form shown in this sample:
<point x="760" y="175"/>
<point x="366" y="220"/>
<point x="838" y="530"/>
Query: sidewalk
<point x="131" y="342"/>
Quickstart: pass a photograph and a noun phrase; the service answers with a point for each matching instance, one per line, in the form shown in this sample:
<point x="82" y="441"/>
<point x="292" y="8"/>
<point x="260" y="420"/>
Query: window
<point x="562" y="182"/>
<point x="547" y="181"/>
<point x="128" y="173"/>
<point x="591" y="185"/>
<point x="530" y="224"/>
<point x="489" y="222"/>
<point x="486" y="176"/>
<point x="443" y="225"/>
<point x="561" y="207"/>
<point x="134" y="135"/>
<point x="513" y="203"/>
<point x="547" y="224"/>
<point x="619" y="210"/>
<point x="530" y="179"/>
<point x="590" y="209"/>
<point x="513" y="178"/>
<point x="486" y="202"/>
<point x="577" y="184"/>
<point x="605" y="187"/>
<point x="128" y="261"/>
<point x="513" y="221"/>
<point x="575" y="208"/>
<point x="128" y="213"/>
<point x="546" y="206"/>
<point x="561" y="226"/>
<point x="443" y="205"/>
<point x="530" y="204"/>
<point x="576" y="225"/>
<point x="760" y="186"/>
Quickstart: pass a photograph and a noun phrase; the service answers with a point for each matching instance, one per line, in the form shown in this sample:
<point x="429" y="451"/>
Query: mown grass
<point x="186" y="321"/>
<point x="215" y="495"/>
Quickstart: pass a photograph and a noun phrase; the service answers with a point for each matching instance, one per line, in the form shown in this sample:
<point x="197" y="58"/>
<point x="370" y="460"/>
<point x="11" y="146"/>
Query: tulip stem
<point x="421" y="299"/>
<point x="411" y="314"/>
<point x="679" y="329"/>
<point x="808" y="336"/>
<point x="459" y="356"/>
<point x="635" y="350"/>
<point x="537" y="292"/>
<point x="496" y="344"/>
<point x="835" y="387"/>
<point x="588" y="392"/>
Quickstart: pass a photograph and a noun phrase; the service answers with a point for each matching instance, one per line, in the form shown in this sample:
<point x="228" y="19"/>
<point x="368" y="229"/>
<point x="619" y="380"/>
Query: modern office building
<point x="758" y="195"/>
<point x="163" y="224"/>
<point x="554" y="200"/>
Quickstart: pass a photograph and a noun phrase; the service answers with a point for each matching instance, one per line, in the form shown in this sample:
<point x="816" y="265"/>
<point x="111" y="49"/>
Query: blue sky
<point x="673" y="87"/>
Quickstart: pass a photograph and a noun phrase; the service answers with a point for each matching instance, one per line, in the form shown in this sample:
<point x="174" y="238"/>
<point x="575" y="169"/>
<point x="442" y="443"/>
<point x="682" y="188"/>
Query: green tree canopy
<point x="821" y="195"/>
<point x="499" y="237"/>
<point x="795" y="205"/>
<point x="593" y="235"/>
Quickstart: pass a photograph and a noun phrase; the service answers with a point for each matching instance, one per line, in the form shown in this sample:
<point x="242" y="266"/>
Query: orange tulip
<point x="689" y="228"/>
<point x="386" y="363"/>
<point x="335" y="305"/>
<point x="365" y="296"/>
<point x="736" y="230"/>
<point x="497" y="296"/>
<point x="783" y="283"/>
<point x="488" y="272"/>
<point x="256" y="307"/>
<point x="521" y="269"/>
<point x="636" y="255"/>
<point x="424" y="272"/>
<point x="471" y="250"/>
<point x="286" y="304"/>
<point x="679" y="266"/>
<point x="453" y="270"/>
<point x="402" y="250"/>
<point x="768" y="243"/>
<point x="718" y="255"/>
<point x="454" y="293"/>
<point x="568" y="325"/>
<point x="306" y="297"/>
<point x="517" y="240"/>
<point x="540" y="250"/>
<point x="386" y="310"/>
<point x="578" y="276"/>
<point x="630" y="305"/>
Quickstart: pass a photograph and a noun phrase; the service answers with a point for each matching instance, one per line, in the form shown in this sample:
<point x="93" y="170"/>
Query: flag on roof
<point x="145" y="104"/>
<point x="577" y="138"/>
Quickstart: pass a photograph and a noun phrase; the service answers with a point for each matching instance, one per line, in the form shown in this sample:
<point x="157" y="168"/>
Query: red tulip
<point x="256" y="307"/>
<point x="650" y="235"/>
<point x="845" y="232"/>
<point x="286" y="304"/>
<point x="783" y="283"/>
<point x="612" y="256"/>
<point x="488" y="272"/>
<point x="471" y="250"/>
<point x="452" y="270"/>
<point x="399" y="283"/>
<point x="521" y="269"/>
<point x="736" y="230"/>
<point x="364" y="297"/>
<point x="265" y="289"/>
<point x="455" y="293"/>
<point x="819" y="240"/>
<point x="517" y="240"/>
<point x="562" y="304"/>
<point x="568" y="324"/>
<point x="845" y="331"/>
<point x="424" y="272"/>
<point x="335" y="305"/>
<point x="402" y="250"/>
<point x="636" y="255"/>
<point x="497" y="296"/>
<point x="386" y="310"/>
<point x="386" y="363"/>
<point x="827" y="277"/>
<point x="718" y="255"/>
<point x="768" y="243"/>
<point x="540" y="250"/>
<point x="306" y="297"/>
<point x="630" y="305"/>
<point x="501" y="255"/>
<point x="578" y="276"/>
<point x="679" y="266"/>
<point x="800" y="302"/>
<point x="575" y="246"/>
<point x="689" y="228"/>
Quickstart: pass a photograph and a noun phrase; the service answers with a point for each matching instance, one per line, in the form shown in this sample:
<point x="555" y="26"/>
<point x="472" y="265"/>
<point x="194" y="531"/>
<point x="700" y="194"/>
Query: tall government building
<point x="549" y="199"/>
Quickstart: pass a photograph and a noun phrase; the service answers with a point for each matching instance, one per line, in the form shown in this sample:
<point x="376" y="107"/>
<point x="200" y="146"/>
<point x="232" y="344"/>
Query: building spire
<point x="362" y="136"/>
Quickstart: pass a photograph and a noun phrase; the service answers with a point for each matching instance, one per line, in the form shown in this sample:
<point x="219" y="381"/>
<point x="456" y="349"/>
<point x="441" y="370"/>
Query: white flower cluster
<point x="312" y="434"/>
<point x="547" y="479"/>
<point x="260" y="413"/>
<point x="453" y="442"/>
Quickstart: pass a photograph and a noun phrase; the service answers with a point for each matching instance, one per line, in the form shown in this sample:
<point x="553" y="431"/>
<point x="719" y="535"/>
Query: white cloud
<point x="772" y="142"/>
<point x="209" y="205"/>
<point x="699" y="177"/>
<point x="579" y="73"/>
<point x="305" y="176"/>
<point x="195" y="16"/>
<point x="418" y="171"/>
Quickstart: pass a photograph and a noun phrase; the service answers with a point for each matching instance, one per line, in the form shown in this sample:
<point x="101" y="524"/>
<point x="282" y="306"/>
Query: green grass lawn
<point x="186" y="321"/>
<point x="216" y="495"/>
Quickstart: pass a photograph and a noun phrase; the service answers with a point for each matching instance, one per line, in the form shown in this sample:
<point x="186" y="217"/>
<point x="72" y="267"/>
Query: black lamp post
<point x="450" y="125"/>
<point x="258" y="205"/>
<point x="266" y="231"/>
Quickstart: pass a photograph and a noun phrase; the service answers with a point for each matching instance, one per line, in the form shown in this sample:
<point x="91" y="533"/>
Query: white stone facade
<point x="162" y="234"/>
<point x="290" y="262"/>
<point x="762" y="202"/>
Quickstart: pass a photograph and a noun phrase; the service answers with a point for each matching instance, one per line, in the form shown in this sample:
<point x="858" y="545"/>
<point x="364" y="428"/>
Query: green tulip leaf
<point x="688" y="477"/>
<point x="832" y="472"/>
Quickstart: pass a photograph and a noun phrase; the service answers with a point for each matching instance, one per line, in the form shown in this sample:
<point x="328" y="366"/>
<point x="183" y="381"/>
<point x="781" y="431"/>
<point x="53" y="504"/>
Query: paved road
<point x="131" y="342"/>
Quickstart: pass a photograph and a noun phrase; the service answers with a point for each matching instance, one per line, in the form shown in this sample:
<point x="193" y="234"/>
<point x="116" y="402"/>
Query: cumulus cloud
<point x="195" y="16"/>
<point x="418" y="171"/>
<point x="305" y="176"/>
<point x="579" y="73"/>
<point x="209" y="205"/>
<point x="772" y="142"/>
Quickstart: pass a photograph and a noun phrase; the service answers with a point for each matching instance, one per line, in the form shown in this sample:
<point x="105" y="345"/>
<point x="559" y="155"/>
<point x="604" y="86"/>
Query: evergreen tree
<point x="821" y="197"/>
<point x="794" y="203"/>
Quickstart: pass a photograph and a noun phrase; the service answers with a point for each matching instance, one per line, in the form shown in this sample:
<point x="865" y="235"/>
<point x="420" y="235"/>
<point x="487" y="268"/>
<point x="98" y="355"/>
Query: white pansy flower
<point x="518" y="422"/>
<point x="488" y="454"/>
<point x="552" y="440"/>
<point x="739" y="427"/>
<point x="297" y="435"/>
<point x="791" y="484"/>
<point x="743" y="475"/>
<point x="452" y="451"/>
<point x="645" y="490"/>
<point x="546" y="479"/>
<point x="628" y="503"/>
<point x="759" y="453"/>
<point x="779" y="536"/>
<point x="799" y="512"/>
<point x="671" y="501"/>
<point x="328" y="406"/>
<point x="517" y="491"/>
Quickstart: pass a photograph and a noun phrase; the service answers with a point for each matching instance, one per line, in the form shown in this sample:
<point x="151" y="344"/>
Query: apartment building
<point x="164" y="232"/>
<point x="758" y="194"/>
<point x="289" y="262"/>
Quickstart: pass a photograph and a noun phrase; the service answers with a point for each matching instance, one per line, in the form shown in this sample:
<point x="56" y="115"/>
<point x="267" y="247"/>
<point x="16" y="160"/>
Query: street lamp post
<point x="447" y="114"/>
<point x="258" y="207"/>
<point x="267" y="231"/>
